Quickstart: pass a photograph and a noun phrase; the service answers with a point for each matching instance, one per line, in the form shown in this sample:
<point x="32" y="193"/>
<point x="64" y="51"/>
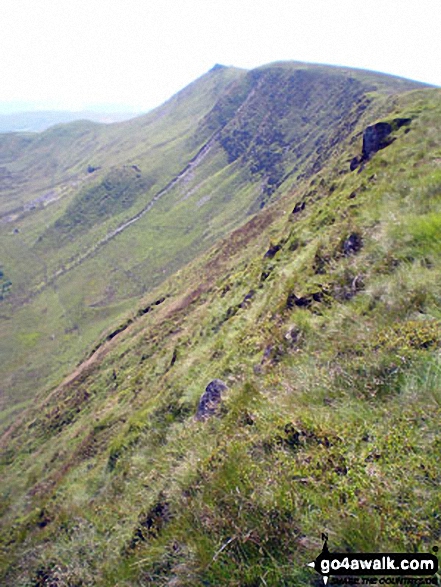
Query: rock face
<point x="210" y="399"/>
<point x="375" y="138"/>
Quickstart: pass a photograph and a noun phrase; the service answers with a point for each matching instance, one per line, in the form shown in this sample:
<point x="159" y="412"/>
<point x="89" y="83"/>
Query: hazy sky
<point x="71" y="54"/>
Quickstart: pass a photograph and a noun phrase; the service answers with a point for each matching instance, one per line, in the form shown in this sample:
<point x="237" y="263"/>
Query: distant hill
<point x="38" y="121"/>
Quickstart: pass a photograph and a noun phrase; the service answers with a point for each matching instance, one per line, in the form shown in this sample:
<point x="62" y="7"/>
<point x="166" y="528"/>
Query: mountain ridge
<point x="80" y="182"/>
<point x="325" y="345"/>
<point x="319" y="312"/>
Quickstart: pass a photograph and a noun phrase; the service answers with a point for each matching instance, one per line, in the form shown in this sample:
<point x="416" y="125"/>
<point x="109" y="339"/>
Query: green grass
<point x="69" y="279"/>
<point x="331" y="422"/>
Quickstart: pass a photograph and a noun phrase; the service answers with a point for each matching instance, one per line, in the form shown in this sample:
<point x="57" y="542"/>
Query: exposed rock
<point x="232" y="311"/>
<point x="352" y="244"/>
<point x="299" y="207"/>
<point x="272" y="251"/>
<point x="304" y="301"/>
<point x="150" y="307"/>
<point x="266" y="273"/>
<point x="210" y="399"/>
<point x="354" y="164"/>
<point x="174" y="357"/>
<point x="294" y="301"/>
<point x="375" y="137"/>
<point x="399" y="122"/>
<point x="250" y="295"/>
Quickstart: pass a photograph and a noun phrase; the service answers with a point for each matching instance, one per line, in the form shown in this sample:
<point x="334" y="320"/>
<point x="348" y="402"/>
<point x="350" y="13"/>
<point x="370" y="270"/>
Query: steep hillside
<point x="53" y="182"/>
<point x="321" y="315"/>
<point x="93" y="217"/>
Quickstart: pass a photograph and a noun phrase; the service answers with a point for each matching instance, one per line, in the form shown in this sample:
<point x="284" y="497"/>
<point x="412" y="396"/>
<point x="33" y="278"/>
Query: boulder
<point x="210" y="399"/>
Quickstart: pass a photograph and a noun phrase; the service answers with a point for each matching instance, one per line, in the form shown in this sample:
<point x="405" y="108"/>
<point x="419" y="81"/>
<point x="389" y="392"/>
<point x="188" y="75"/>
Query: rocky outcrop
<point x="299" y="207"/>
<point x="272" y="251"/>
<point x="352" y="244"/>
<point x="210" y="399"/>
<point x="303" y="301"/>
<point x="376" y="137"/>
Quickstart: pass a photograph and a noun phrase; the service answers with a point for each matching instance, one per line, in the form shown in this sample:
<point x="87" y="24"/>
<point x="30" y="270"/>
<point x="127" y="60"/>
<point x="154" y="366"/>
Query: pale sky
<point x="72" y="54"/>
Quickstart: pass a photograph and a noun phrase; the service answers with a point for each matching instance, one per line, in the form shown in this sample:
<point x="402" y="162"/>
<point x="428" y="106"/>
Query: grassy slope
<point x="48" y="238"/>
<point x="332" y="418"/>
<point x="248" y="135"/>
<point x="70" y="148"/>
